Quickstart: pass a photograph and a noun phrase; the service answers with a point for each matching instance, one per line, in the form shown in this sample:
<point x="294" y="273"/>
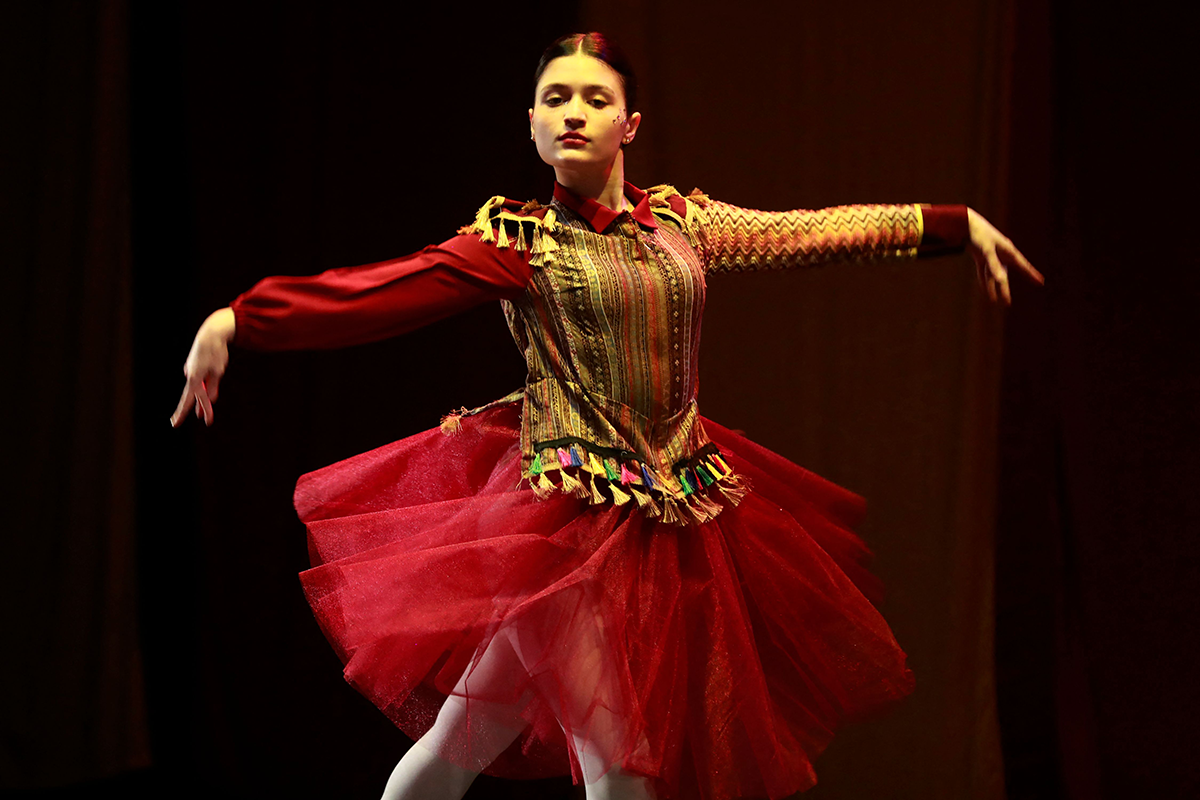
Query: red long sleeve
<point x="945" y="230"/>
<point x="355" y="305"/>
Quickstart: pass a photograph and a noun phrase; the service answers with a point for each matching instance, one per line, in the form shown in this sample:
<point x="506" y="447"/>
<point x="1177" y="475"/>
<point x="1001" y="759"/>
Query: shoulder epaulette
<point x="687" y="212"/>
<point x="504" y="222"/>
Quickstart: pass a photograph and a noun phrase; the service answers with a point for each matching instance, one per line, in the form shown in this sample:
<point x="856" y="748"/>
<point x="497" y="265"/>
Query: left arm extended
<point x="738" y="239"/>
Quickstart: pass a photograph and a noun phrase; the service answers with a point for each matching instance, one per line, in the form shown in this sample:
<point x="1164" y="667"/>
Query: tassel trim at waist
<point x="697" y="489"/>
<point x="694" y="491"/>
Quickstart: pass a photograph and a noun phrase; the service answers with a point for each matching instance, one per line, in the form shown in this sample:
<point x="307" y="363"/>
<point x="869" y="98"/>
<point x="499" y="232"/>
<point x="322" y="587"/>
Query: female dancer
<point x="587" y="575"/>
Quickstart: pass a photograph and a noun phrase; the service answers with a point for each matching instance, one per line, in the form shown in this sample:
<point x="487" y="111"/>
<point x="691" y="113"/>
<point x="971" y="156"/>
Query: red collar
<point x="600" y="217"/>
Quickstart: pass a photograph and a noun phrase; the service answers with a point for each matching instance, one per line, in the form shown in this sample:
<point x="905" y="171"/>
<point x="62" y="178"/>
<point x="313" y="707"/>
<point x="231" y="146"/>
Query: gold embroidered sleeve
<point x="737" y="239"/>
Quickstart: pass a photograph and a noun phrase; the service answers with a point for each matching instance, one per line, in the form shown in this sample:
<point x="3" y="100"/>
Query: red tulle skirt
<point x="716" y="659"/>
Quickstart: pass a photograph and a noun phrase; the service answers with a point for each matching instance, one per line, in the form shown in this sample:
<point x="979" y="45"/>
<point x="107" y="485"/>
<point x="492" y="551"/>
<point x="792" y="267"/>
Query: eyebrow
<point x="562" y="87"/>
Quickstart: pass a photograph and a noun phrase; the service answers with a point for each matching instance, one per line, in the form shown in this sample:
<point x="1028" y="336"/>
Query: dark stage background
<point x="1032" y="474"/>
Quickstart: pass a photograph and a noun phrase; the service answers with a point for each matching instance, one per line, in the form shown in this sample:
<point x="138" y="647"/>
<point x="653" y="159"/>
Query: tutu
<point x="716" y="659"/>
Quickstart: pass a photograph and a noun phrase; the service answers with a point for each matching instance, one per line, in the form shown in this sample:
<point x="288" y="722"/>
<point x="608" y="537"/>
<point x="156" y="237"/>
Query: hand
<point x="204" y="367"/>
<point x="994" y="255"/>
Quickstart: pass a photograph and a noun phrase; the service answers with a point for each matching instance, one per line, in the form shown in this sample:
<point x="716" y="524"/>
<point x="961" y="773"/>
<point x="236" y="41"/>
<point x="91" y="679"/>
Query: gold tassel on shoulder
<point x="695" y="217"/>
<point x="658" y="194"/>
<point x="494" y="223"/>
<point x="660" y="202"/>
<point x="544" y="245"/>
<point x="483" y="219"/>
<point x="452" y="422"/>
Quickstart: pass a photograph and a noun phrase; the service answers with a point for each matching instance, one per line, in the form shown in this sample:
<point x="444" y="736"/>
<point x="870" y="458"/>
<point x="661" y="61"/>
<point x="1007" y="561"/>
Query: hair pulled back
<point x="598" y="46"/>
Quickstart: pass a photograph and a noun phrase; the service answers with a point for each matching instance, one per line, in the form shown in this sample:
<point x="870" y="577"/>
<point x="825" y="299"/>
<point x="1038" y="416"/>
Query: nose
<point x="573" y="114"/>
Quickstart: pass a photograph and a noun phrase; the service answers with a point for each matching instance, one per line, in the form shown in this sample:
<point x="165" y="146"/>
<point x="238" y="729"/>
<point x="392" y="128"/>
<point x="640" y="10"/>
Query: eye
<point x="553" y="100"/>
<point x="599" y="102"/>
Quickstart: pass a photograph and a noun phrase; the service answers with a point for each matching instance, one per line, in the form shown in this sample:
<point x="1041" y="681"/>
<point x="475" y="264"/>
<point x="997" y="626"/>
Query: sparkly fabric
<point x="718" y="658"/>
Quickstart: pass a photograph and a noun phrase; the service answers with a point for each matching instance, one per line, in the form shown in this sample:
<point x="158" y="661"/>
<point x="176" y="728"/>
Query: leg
<point x="476" y="731"/>
<point x="421" y="775"/>
<point x="591" y="696"/>
<point x="617" y="784"/>
<point x="482" y="730"/>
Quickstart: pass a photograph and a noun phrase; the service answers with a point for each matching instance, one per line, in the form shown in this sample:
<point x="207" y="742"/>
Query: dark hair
<point x="596" y="45"/>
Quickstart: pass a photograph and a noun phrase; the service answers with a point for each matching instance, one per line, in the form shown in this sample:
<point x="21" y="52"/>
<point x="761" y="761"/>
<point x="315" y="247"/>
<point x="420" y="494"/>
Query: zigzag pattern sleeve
<point x="739" y="239"/>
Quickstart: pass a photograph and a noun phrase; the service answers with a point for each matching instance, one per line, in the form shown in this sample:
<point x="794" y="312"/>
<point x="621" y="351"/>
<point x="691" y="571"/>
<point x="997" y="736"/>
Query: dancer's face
<point x="579" y="119"/>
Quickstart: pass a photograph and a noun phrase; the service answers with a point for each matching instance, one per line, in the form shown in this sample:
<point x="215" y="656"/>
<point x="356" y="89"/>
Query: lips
<point x="573" y="137"/>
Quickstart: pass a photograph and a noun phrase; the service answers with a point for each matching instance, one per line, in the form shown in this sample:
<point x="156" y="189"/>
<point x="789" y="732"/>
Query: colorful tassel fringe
<point x="681" y="498"/>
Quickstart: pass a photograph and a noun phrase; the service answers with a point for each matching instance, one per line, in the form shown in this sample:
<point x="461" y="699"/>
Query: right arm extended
<point x="351" y="305"/>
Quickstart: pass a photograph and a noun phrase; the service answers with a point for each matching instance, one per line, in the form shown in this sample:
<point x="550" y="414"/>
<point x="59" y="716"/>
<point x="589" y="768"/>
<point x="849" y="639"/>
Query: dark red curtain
<point x="1097" y="547"/>
<point x="72" y="704"/>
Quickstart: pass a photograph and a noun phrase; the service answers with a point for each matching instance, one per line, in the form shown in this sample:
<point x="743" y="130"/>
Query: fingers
<point x="205" y="405"/>
<point x="989" y="273"/>
<point x="1013" y="256"/>
<point x="181" y="410"/>
<point x="993" y="274"/>
<point x="994" y="254"/>
<point x="997" y="279"/>
<point x="197" y="396"/>
<point x="1028" y="268"/>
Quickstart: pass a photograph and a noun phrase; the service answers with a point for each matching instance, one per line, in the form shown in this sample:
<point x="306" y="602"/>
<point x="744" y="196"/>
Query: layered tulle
<point x="716" y="659"/>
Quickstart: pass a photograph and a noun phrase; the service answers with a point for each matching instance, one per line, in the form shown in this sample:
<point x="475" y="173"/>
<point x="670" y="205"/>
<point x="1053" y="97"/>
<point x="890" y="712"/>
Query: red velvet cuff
<point x="946" y="230"/>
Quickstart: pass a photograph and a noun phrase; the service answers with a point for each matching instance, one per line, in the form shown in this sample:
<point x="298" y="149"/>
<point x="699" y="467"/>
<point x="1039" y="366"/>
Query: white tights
<point x="489" y="729"/>
<point x="421" y="775"/>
